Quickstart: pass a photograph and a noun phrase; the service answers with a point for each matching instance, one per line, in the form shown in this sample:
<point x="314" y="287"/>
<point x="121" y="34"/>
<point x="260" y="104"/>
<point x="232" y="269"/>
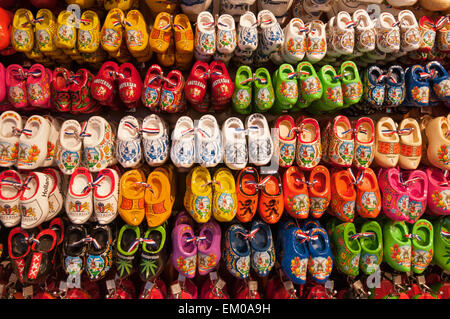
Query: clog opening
<point x="202" y="180"/>
<point x="154" y="77"/>
<point x="126" y="72"/>
<point x="349" y="73"/>
<point x="71" y="141"/>
<point x="352" y="243"/>
<point x="285" y="128"/>
<point x="344" y="186"/>
<point x="226" y="22"/>
<point x="206" y="22"/>
<point x="398" y="231"/>
<point x="34" y="127"/>
<point x="320" y="185"/>
<point x="240" y="245"/>
<point x="445" y="228"/>
<point x="308" y="133"/>
<point x="343" y="130"/>
<point x="127" y="132"/>
<point x="19" y="245"/>
<point x="157" y="237"/>
<point x="307" y="69"/>
<point x="272" y="187"/>
<point x="80" y="181"/>
<point x="318" y="244"/>
<point x="200" y="70"/>
<point x="387" y="20"/>
<point x="226" y="182"/>
<point x="247" y="183"/>
<point x="46" y="18"/>
<point x="407" y="19"/>
<point x="173" y="78"/>
<point x="425" y="237"/>
<point x="368" y="182"/>
<point x="106" y="187"/>
<point x="363" y="19"/>
<point x="247" y="20"/>
<point x="46" y="242"/>
<point x="75" y="235"/>
<point x="329" y="76"/>
<point x="445" y="129"/>
<point x="91" y="20"/>
<point x="60" y="80"/>
<point x="297" y="179"/>
<point x="128" y="238"/>
<point x="7" y="127"/>
<point x="370" y="243"/>
<point x="101" y="236"/>
<point x="387" y="125"/>
<point x="131" y="187"/>
<point x="365" y="134"/>
<point x="7" y="191"/>
<point x="133" y="17"/>
<point x="297" y="27"/>
<point x="374" y="74"/>
<point x="206" y="243"/>
<point x="261" y="239"/>
<point x="95" y="128"/>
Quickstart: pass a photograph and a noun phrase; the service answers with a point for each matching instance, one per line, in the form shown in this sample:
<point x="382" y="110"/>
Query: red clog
<point x="295" y="193"/>
<point x="221" y="85"/>
<point x="103" y="86"/>
<point x="130" y="85"/>
<point x="151" y="92"/>
<point x="172" y="95"/>
<point x="196" y="84"/>
<point x="80" y="92"/>
<point x="61" y="94"/>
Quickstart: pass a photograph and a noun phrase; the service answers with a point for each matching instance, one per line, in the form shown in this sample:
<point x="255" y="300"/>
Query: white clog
<point x="128" y="145"/>
<point x="106" y="196"/>
<point x="34" y="204"/>
<point x="388" y="33"/>
<point x="55" y="197"/>
<point x="271" y="35"/>
<point x="10" y="191"/>
<point x="33" y="143"/>
<point x="234" y="143"/>
<point x="226" y="34"/>
<point x="344" y="37"/>
<point x="68" y="147"/>
<point x="208" y="141"/>
<point x="316" y="43"/>
<point x="155" y="140"/>
<point x="248" y="33"/>
<point x="78" y="203"/>
<point x="53" y="136"/>
<point x="365" y="34"/>
<point x="330" y="30"/>
<point x="260" y="141"/>
<point x="182" y="152"/>
<point x="11" y="125"/>
<point x="409" y="31"/>
<point x="205" y="34"/>
<point x="294" y="47"/>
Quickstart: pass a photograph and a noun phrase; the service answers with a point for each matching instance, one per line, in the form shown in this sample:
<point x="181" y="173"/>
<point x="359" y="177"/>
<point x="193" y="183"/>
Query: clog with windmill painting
<point x="422" y="243"/>
<point x="395" y="193"/>
<point x="224" y="196"/>
<point x="341" y="145"/>
<point x="368" y="196"/>
<point x="131" y="201"/>
<point x="347" y="249"/>
<point x="202" y="195"/>
<point x="364" y="142"/>
<point x="427" y="34"/>
<point x="11" y="123"/>
<point x="286" y="140"/>
<point x="89" y="32"/>
<point x="310" y="85"/>
<point x="440" y="80"/>
<point x="371" y="247"/>
<point x="309" y="150"/>
<point x="66" y="37"/>
<point x="184" y="35"/>
<point x="351" y="83"/>
<point x="417" y="86"/>
<point x="319" y="190"/>
<point x="242" y="93"/>
<point x="112" y="30"/>
<point x="295" y="192"/>
<point x="136" y="34"/>
<point x="397" y="245"/>
<point x="438" y="202"/>
<point x="417" y="183"/>
<point x="264" y="96"/>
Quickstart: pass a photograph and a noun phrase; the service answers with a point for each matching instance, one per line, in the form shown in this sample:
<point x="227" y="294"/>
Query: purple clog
<point x="208" y="247"/>
<point x="184" y="250"/>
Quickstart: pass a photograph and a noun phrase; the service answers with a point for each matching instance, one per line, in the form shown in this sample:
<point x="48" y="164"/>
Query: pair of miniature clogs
<point x="433" y="33"/>
<point x="343" y="145"/>
<point x="404" y="194"/>
<point x="422" y="82"/>
<point x="206" y="196"/>
<point x="356" y="251"/>
<point x="128" y="87"/>
<point x="252" y="89"/>
<point x="303" y="250"/>
<point x="92" y="143"/>
<point x="300" y="143"/>
<point x="339" y="90"/>
<point x="28" y="89"/>
<point x="304" y="196"/>
<point x="190" y="252"/>
<point x="145" y="251"/>
<point x="384" y="88"/>
<point x="71" y="92"/>
<point x="245" y="250"/>
<point x="352" y="194"/>
<point x="30" y="145"/>
<point x="151" y="198"/>
<point x="135" y="140"/>
<point x="178" y="48"/>
<point x="163" y="93"/>
<point x="30" y="199"/>
<point x="87" y="195"/>
<point x="408" y="248"/>
<point x="88" y="248"/>
<point x="33" y="251"/>
<point x="260" y="147"/>
<point x="400" y="144"/>
<point x="201" y="143"/>
<point x="197" y="85"/>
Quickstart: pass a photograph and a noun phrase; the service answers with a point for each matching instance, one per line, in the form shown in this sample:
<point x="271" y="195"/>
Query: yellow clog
<point x="169" y="170"/>
<point x="112" y="30"/>
<point x="224" y="198"/>
<point x="158" y="200"/>
<point x="187" y="200"/>
<point x="161" y="33"/>
<point x="89" y="32"/>
<point x="167" y="58"/>
<point x="45" y="31"/>
<point x="22" y="33"/>
<point x="132" y="197"/>
<point x="201" y="195"/>
<point x="66" y="36"/>
<point x="157" y="7"/>
<point x="34" y="53"/>
<point x="136" y="33"/>
<point x="184" y="36"/>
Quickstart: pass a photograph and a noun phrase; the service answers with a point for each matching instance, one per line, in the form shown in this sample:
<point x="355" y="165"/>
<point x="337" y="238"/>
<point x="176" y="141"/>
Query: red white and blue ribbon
<point x="260" y="184"/>
<point x="304" y="236"/>
<point x="87" y="239"/>
<point x="361" y="235"/>
<point x="25" y="131"/>
<point x="291" y="75"/>
<point x="150" y="130"/>
<point x="415" y="236"/>
<point x="32" y="239"/>
<point x="445" y="233"/>
<point x="195" y="238"/>
<point x="83" y="132"/>
<point x="136" y="243"/>
<point x="26" y="182"/>
<point x="146" y="185"/>
<point x="213" y="181"/>
<point x="248" y="234"/>
<point x="10" y="183"/>
<point x="94" y="184"/>
<point x="358" y="180"/>
<point x="350" y="24"/>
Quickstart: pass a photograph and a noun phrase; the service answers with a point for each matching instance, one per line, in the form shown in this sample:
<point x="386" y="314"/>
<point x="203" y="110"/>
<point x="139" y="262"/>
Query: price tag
<point x="213" y="276"/>
<point x="27" y="292"/>
<point x="288" y="285"/>
<point x="176" y="290"/>
<point x="220" y="284"/>
<point x="110" y="285"/>
<point x="253" y="285"/>
<point x="149" y="286"/>
<point x="74" y="281"/>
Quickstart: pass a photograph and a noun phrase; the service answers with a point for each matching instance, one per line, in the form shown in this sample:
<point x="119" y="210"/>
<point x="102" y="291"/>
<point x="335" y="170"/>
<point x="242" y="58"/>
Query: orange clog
<point x="271" y="202"/>
<point x="132" y="197"/>
<point x="247" y="194"/>
<point x="368" y="197"/>
<point x="295" y="193"/>
<point x="343" y="195"/>
<point x="319" y="190"/>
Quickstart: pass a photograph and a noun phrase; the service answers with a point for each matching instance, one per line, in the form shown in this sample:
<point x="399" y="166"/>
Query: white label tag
<point x="213" y="276"/>
<point x="176" y="289"/>
<point x="63" y="286"/>
<point x="220" y="284"/>
<point x="149" y="286"/>
<point x="110" y="285"/>
<point x="253" y="285"/>
<point x="27" y="292"/>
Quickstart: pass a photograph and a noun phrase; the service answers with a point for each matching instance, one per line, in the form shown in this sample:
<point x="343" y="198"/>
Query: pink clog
<point x="438" y="192"/>
<point x="38" y="86"/>
<point x="184" y="250"/>
<point x="417" y="184"/>
<point x="395" y="199"/>
<point x="209" y="247"/>
<point x="16" y="78"/>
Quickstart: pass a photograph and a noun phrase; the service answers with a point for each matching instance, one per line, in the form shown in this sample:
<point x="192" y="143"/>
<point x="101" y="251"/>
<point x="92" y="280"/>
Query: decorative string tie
<point x="350" y="24"/>
<point x="425" y="75"/>
<point x="248" y="80"/>
<point x="441" y="22"/>
<point x="260" y="184"/>
<point x="87" y="239"/>
<point x="202" y="132"/>
<point x="147" y="241"/>
<point x="415" y="236"/>
<point x="83" y="132"/>
<point x="308" y="183"/>
<point x="20" y="73"/>
<point x="146" y="185"/>
<point x="170" y="82"/>
<point x="116" y="75"/>
<point x="338" y="76"/>
<point x="25" y="131"/>
<point x="268" y="21"/>
<point x="26" y="182"/>
<point x="195" y="238"/>
<point x="358" y="180"/>
<point x="94" y="183"/>
<point x="6" y="182"/>
<point x="381" y="77"/>
<point x="38" y="20"/>
<point x="303" y="72"/>
<point x="248" y="235"/>
<point x="359" y="235"/>
<point x="409" y="181"/>
<point x="127" y="23"/>
<point x="404" y="131"/>
<point x="178" y="26"/>
<point x="149" y="130"/>
<point x="395" y="24"/>
<point x="32" y="239"/>
<point x="304" y="29"/>
<point x="445" y="233"/>
<point x="85" y="21"/>
<point x="304" y="236"/>
<point x="73" y="78"/>
<point x="292" y="75"/>
<point x="296" y="130"/>
<point x="213" y="181"/>
<point x="28" y="20"/>
<point x="445" y="173"/>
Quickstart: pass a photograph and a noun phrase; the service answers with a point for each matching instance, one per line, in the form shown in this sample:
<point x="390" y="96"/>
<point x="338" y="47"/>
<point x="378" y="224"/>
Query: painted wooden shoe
<point x="221" y="85"/>
<point x="438" y="201"/>
<point x="209" y="142"/>
<point x="53" y="136"/>
<point x="99" y="140"/>
<point x="294" y="260"/>
<point x="247" y="32"/>
<point x="38" y="86"/>
<point x="129" y="148"/>
<point x="417" y="86"/>
<point x="260" y="141"/>
<point x="131" y="203"/>
<point x="271" y="202"/>
<point x="242" y="94"/>
<point x="295" y="192"/>
<point x="105" y="196"/>
<point x="310" y="85"/>
<point x="320" y="261"/>
<point x="66" y="37"/>
<point x="438" y="151"/>
<point x="33" y="143"/>
<point x="395" y="86"/>
<point x="286" y="140"/>
<point x="365" y="34"/>
<point x="264" y="96"/>
<point x="247" y="194"/>
<point x="262" y="248"/>
<point x="136" y="32"/>
<point x="371" y="247"/>
<point x="387" y="143"/>
<point x="409" y="31"/>
<point x="341" y="145"/>
<point x="158" y="204"/>
<point x="183" y="151"/>
<point x="10" y="192"/>
<point x="151" y="92"/>
<point x="234" y="144"/>
<point x="443" y="36"/>
<point x="319" y="190"/>
<point x="332" y="96"/>
<point x="209" y="250"/>
<point x="112" y="31"/>
<point x="417" y="182"/>
<point x="368" y="196"/>
<point x="395" y="194"/>
<point x="89" y="33"/>
<point x="16" y="86"/>
<point x="410" y="144"/>
<point x="237" y="251"/>
<point x="344" y="36"/>
<point x="78" y="202"/>
<point x="201" y="201"/>
<point x="316" y="44"/>
<point x="172" y="98"/>
<point x="286" y="87"/>
<point x="364" y="142"/>
<point x="205" y="34"/>
<point x="224" y="195"/>
<point x="388" y="33"/>
<point x="46" y="28"/>
<point x="308" y="151"/>
<point x="68" y="147"/>
<point x="183" y="33"/>
<point x="440" y="80"/>
<point x="22" y="34"/>
<point x="427" y="34"/>
<point x="184" y="256"/>
<point x="374" y="86"/>
<point x="441" y="238"/>
<point x="294" y="47"/>
<point x="347" y="249"/>
<point x="397" y="245"/>
<point x="343" y="195"/>
<point x="155" y="140"/>
<point x="11" y="123"/>
<point x="226" y="34"/>
<point x="271" y="35"/>
<point x="351" y="83"/>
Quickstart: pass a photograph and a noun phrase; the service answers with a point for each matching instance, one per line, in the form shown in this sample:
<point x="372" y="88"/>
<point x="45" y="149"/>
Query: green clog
<point x="347" y="250"/>
<point x="264" y="95"/>
<point x="442" y="242"/>
<point x="351" y="83"/>
<point x="371" y="247"/>
<point x="126" y="251"/>
<point x="422" y="245"/>
<point x="242" y="94"/>
<point x="332" y="90"/>
<point x="397" y="245"/>
<point x="310" y="85"/>
<point x="286" y="88"/>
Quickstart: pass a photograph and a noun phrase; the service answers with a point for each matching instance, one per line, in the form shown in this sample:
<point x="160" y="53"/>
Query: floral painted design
<point x="299" y="267"/>
<point x="377" y="95"/>
<point x="311" y="85"/>
<point x="241" y="97"/>
<point x="299" y="204"/>
<point x="43" y="38"/>
<point x="16" y="95"/>
<point x="443" y="153"/>
<point x="335" y="95"/>
<point x="207" y="262"/>
<point x="369" y="201"/>
<point x="421" y="258"/>
<point x="135" y="38"/>
<point x="111" y="37"/>
<point x="28" y="154"/>
<point x="289" y="89"/>
<point x="353" y="91"/>
<point x="320" y="267"/>
<point x="21" y="38"/>
<point x="225" y="203"/>
<point x="187" y="265"/>
<point x="262" y="262"/>
<point x="421" y="95"/>
<point x="442" y="88"/>
<point x="401" y="254"/>
<point x="363" y="155"/>
<point x="65" y="32"/>
<point x="370" y="262"/>
<point x="441" y="199"/>
<point x="296" y="46"/>
<point x="395" y="95"/>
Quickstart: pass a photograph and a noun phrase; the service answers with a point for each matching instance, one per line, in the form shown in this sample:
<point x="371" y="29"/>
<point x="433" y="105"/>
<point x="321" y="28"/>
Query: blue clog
<point x="294" y="262"/>
<point x="263" y="252"/>
<point x="281" y="235"/>
<point x="395" y="86"/>
<point x="310" y="224"/>
<point x="417" y="86"/>
<point x="320" y="261"/>
<point x="237" y="251"/>
<point x="440" y="80"/>
<point x="374" y="86"/>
